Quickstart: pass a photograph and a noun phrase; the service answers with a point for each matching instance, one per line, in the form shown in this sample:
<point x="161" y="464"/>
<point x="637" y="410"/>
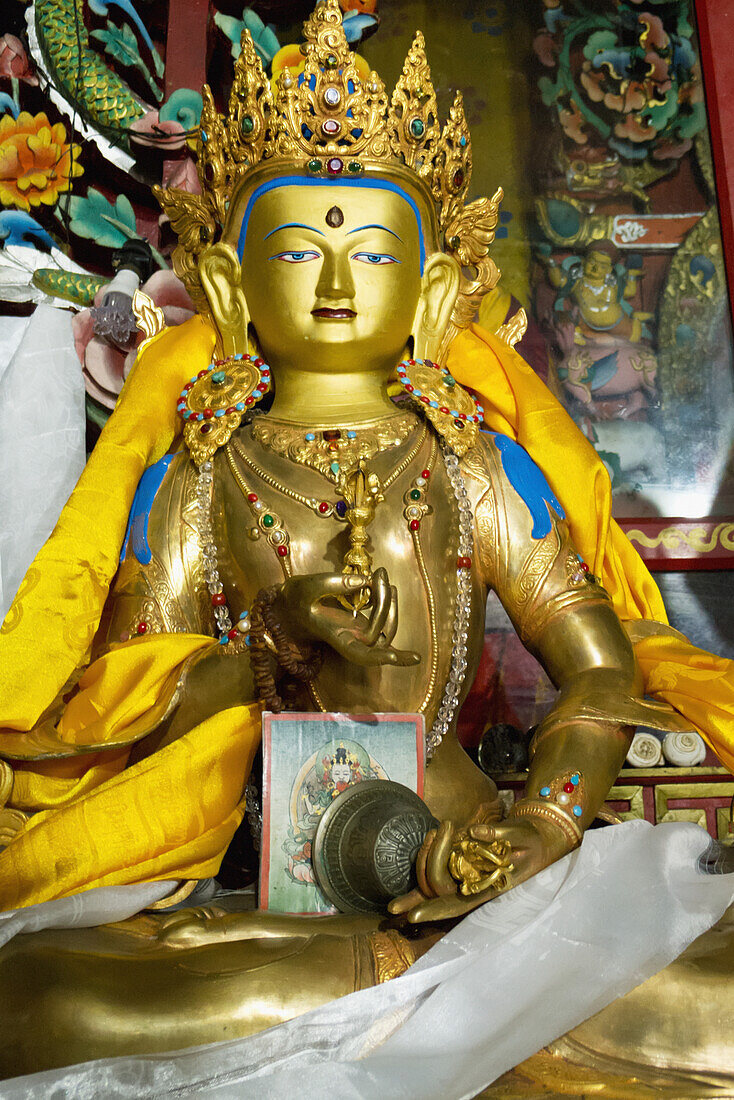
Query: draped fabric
<point x="67" y="727"/>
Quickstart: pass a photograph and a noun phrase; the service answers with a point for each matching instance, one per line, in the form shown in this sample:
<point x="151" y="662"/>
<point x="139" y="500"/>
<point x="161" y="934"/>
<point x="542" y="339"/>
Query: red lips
<point x="334" y="314"/>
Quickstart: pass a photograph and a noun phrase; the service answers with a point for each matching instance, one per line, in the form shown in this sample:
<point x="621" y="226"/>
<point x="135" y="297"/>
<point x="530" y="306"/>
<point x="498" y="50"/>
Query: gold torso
<point x="420" y="564"/>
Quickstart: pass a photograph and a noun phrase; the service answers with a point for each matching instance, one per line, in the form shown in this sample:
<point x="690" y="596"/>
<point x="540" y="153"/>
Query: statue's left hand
<point x="460" y="869"/>
<point x="363" y="639"/>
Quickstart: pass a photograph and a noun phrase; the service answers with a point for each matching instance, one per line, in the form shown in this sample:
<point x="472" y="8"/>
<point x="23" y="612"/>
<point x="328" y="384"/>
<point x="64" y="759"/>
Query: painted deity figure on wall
<point x="608" y="366"/>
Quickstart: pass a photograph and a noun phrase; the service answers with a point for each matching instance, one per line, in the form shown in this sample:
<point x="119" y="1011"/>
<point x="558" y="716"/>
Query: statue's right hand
<point x="365" y="639"/>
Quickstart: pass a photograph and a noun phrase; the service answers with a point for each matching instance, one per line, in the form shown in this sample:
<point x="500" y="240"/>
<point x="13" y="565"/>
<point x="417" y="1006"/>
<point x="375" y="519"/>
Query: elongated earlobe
<point x="439" y="289"/>
<point x="220" y="274"/>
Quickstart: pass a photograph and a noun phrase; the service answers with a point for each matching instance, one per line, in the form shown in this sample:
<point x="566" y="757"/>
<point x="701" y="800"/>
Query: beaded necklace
<point x="269" y="523"/>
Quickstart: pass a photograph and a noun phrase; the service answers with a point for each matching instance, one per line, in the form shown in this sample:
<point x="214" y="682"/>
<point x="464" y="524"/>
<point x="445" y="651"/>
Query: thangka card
<point x="308" y="759"/>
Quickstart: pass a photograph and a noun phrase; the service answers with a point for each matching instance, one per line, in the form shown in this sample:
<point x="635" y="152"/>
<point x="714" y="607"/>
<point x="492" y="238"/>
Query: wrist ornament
<point x="268" y="640"/>
<point x="553" y="814"/>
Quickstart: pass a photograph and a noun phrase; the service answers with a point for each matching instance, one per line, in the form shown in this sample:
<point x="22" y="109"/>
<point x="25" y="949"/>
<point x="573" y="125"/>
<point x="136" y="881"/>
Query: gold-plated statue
<point x="351" y="539"/>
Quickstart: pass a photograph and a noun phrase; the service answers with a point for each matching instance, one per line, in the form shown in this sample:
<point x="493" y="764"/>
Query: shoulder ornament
<point x="213" y="402"/>
<point x="454" y="412"/>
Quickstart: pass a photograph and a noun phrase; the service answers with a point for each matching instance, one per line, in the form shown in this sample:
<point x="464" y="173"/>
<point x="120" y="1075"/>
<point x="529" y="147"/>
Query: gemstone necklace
<point x="325" y="508"/>
<point x="270" y="524"/>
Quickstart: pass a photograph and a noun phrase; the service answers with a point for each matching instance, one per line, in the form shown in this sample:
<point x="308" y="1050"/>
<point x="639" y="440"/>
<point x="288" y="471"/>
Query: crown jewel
<point x="330" y="120"/>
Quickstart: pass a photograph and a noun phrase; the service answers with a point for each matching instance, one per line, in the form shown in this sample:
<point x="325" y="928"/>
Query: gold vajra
<point x="477" y="865"/>
<point x="362" y="492"/>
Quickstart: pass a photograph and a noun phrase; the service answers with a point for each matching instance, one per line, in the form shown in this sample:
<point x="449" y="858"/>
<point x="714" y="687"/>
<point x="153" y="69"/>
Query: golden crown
<point x="329" y="121"/>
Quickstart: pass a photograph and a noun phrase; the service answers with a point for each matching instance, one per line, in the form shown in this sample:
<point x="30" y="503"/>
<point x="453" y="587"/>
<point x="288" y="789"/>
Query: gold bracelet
<point x="548" y="811"/>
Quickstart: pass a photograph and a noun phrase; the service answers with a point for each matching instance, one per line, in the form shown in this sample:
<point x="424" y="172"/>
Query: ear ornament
<point x="454" y="412"/>
<point x="213" y="402"/>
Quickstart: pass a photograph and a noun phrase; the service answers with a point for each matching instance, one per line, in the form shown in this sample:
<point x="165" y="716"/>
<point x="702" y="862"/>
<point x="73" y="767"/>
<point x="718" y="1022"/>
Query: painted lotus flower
<point x="36" y="162"/>
<point x="14" y="60"/>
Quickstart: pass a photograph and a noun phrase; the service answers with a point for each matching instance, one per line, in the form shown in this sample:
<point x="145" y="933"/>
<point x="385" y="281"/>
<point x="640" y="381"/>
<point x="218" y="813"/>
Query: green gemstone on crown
<point x="417" y="128"/>
<point x="247" y="125"/>
<point x="315" y="165"/>
<point x="268" y="520"/>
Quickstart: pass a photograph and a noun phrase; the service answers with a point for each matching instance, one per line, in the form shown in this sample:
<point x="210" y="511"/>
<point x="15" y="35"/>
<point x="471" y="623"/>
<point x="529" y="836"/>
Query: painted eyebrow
<point x="384" y="227"/>
<point x="294" y="225"/>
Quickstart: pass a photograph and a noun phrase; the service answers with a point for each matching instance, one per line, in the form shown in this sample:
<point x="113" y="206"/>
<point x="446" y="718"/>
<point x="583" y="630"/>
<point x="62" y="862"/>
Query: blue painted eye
<point x="376" y="259"/>
<point x="296" y="257"/>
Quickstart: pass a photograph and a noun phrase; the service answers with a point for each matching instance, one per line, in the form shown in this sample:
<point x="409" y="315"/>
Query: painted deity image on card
<point x="308" y="760"/>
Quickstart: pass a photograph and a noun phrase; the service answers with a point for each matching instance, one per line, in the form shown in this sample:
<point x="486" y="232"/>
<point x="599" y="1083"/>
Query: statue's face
<point x="597" y="266"/>
<point x="332" y="272"/>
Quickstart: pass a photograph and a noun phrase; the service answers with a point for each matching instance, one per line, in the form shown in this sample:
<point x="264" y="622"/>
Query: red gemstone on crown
<point x="252" y="497"/>
<point x="426" y="474"/>
<point x="282" y="551"/>
<point x="263" y="387"/>
<point x="443" y="409"/>
<point x="323" y="507"/>
<point x="250" y="400"/>
<point x="583" y="567"/>
<point x="568" y="788"/>
<point x="331" y="434"/>
<point x="208" y="414"/>
<point x="219" y="599"/>
<point x="410" y="388"/>
<point x="415" y="524"/>
<point x="335" y="166"/>
<point x="233" y="634"/>
<point x="202" y="374"/>
<point x="331" y="127"/>
<point x="458" y="177"/>
<point x="142" y="628"/>
<point x="425" y="400"/>
<point x="231" y="409"/>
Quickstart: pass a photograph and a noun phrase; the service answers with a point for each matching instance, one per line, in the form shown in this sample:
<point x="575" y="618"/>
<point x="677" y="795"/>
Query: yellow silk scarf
<point x="172" y="815"/>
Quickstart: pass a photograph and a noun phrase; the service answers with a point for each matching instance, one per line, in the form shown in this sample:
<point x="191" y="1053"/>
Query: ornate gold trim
<point x="148" y="317"/>
<point x="391" y="954"/>
<point x="513" y="330"/>
<point x="551" y="813"/>
<point x="697" y="539"/>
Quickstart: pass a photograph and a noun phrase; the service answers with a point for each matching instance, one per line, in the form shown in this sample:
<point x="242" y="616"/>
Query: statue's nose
<point x="335" y="280"/>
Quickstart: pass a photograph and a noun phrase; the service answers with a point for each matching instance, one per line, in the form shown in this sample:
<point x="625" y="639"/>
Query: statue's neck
<point x="328" y="398"/>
